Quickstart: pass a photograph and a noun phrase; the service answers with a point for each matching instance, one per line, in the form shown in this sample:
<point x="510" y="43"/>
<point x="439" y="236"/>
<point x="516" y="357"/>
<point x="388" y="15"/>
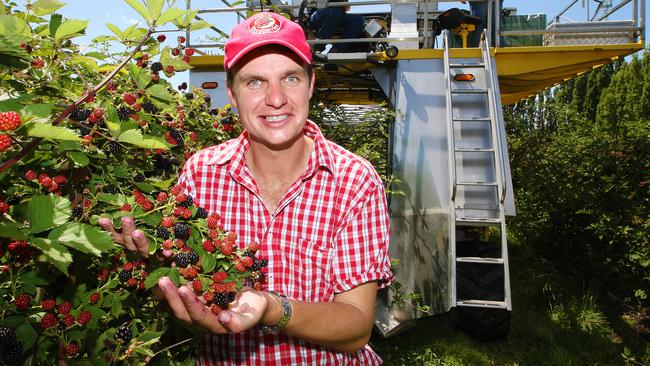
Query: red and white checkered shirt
<point x="329" y="234"/>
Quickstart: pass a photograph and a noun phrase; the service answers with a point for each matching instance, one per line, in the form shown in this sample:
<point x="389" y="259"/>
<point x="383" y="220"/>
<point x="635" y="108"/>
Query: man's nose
<point x="275" y="95"/>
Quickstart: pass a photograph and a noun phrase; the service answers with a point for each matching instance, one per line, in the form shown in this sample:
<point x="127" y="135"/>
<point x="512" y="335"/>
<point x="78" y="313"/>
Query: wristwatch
<point x="286" y="315"/>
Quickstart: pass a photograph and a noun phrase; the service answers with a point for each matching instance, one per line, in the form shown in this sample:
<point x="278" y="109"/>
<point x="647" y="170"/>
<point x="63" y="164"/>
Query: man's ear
<point x="312" y="83"/>
<point x="231" y="95"/>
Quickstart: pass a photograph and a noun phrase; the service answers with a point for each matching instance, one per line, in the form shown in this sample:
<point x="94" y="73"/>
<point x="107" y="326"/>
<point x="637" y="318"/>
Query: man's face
<point x="271" y="90"/>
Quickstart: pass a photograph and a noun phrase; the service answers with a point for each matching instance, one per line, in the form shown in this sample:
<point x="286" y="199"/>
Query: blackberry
<point x="192" y="257"/>
<point x="221" y="299"/>
<point x="214" y="111"/>
<point x="123" y="113"/>
<point x="162" y="233"/>
<point x="85" y="128"/>
<point x="125" y="275"/>
<point x="207" y="99"/>
<point x="248" y="253"/>
<point x="181" y="260"/>
<point x="201" y="213"/>
<point x="149" y="107"/>
<point x="189" y="96"/>
<point x="188" y="202"/>
<point x="138" y="178"/>
<point x="231" y="296"/>
<point x="12" y="353"/>
<point x="63" y="187"/>
<point x="226" y="120"/>
<point x="123" y="334"/>
<point x="114" y="147"/>
<point x="156" y="67"/>
<point x="15" y="199"/>
<point x="181" y="230"/>
<point x="77" y="211"/>
<point x="109" y="188"/>
<point x="258" y="264"/>
<point x="79" y="114"/>
<point x="7" y="336"/>
<point x="178" y="137"/>
<point x="191" y="114"/>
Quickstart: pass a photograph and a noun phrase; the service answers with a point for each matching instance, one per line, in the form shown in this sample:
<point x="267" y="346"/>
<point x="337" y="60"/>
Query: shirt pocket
<point x="305" y="270"/>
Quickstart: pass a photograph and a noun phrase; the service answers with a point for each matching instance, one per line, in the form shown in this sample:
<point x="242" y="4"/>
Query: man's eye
<point x="254" y="83"/>
<point x="292" y="79"/>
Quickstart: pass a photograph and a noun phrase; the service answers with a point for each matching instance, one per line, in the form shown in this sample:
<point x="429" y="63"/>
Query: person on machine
<point x="324" y="22"/>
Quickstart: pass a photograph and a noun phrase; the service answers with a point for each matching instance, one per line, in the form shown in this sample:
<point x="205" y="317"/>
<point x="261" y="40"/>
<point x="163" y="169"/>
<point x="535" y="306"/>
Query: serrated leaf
<point x="186" y="20"/>
<point x="201" y="24"/>
<point x="11" y="54"/>
<point x="155" y="9"/>
<point x="160" y="92"/>
<point x="165" y="56"/>
<point x="39" y="110"/>
<point x="85" y="238"/>
<point x="46" y="212"/>
<point x="164" y="184"/>
<point x="116" y="307"/>
<point x="47" y="131"/>
<point x="69" y="28"/>
<point x="11" y="230"/>
<point x="208" y="262"/>
<point x="153" y="277"/>
<point x="136" y="138"/>
<point x="88" y="62"/>
<point x="116" y="30"/>
<point x="121" y="171"/>
<point x="55" y="23"/>
<point x="79" y="158"/>
<point x="149" y="337"/>
<point x="97" y="55"/>
<point x="141" y="78"/>
<point x="100" y="39"/>
<point x="175" y="277"/>
<point x="55" y="252"/>
<point x="152" y="219"/>
<point x="137" y="6"/>
<point x="113" y="199"/>
<point x="169" y="15"/>
<point x="44" y="7"/>
<point x="26" y="335"/>
<point x="12" y="25"/>
<point x="180" y="65"/>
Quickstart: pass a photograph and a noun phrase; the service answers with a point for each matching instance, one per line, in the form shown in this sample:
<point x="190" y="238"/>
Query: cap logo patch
<point x="264" y="23"/>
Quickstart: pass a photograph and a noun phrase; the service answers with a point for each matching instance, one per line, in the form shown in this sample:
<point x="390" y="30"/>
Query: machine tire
<point x="485" y="282"/>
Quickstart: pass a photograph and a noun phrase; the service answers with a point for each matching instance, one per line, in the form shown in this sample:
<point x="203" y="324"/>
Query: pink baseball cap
<point x="262" y="29"/>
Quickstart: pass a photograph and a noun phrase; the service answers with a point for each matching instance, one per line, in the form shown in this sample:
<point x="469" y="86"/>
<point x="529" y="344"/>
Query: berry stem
<point x="91" y="92"/>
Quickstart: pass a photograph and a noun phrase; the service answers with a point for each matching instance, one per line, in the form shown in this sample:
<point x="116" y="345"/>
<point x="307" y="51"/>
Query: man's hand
<point x="133" y="239"/>
<point x="246" y="312"/>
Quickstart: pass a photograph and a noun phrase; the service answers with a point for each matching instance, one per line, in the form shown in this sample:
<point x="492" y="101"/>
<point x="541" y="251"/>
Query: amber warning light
<point x="210" y="85"/>
<point x="464" y="77"/>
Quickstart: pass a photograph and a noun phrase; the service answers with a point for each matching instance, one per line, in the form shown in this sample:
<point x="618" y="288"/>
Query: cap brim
<point x="265" y="42"/>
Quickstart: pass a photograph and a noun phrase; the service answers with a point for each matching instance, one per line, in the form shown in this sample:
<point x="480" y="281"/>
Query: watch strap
<point x="286" y="315"/>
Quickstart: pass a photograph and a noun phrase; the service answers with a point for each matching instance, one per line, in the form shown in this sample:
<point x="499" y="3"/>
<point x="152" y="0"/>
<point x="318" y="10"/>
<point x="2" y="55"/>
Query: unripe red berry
<point x="23" y="301"/>
<point x="161" y="38"/>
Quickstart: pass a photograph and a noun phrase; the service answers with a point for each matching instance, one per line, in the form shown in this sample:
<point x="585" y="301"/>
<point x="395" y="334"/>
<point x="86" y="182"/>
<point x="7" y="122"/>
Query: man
<point x="318" y="211"/>
<point x="327" y="20"/>
<point x="479" y="9"/>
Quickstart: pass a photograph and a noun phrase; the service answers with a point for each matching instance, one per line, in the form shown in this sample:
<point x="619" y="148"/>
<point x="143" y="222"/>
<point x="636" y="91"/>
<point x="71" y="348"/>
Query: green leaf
<point x="116" y="307"/>
<point x="116" y="30"/>
<point x="14" y="104"/>
<point x="47" y="131"/>
<point x="46" y="212"/>
<point x="88" y="62"/>
<point x="165" y="56"/>
<point x="55" y="23"/>
<point x="13" y="25"/>
<point x="121" y="171"/>
<point x="45" y="7"/>
<point x="180" y="65"/>
<point x="85" y="238"/>
<point x="155" y="9"/>
<point x="11" y="230"/>
<point x="11" y="54"/>
<point x="145" y="187"/>
<point x="26" y="334"/>
<point x="160" y="92"/>
<point x="152" y="219"/>
<point x="208" y="262"/>
<point x="70" y="28"/>
<point x="79" y="158"/>
<point x="153" y="277"/>
<point x="149" y="337"/>
<point x="141" y="78"/>
<point x="39" y="110"/>
<point x="56" y="253"/>
<point x="113" y="199"/>
<point x="201" y="24"/>
<point x="135" y="137"/>
<point x="135" y="4"/>
<point x="170" y="15"/>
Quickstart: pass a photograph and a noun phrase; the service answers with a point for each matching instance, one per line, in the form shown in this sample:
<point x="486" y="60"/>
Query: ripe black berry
<point x="221" y="299"/>
<point x="79" y="114"/>
<point x="189" y="96"/>
<point x="181" y="230"/>
<point x="138" y="178"/>
<point x="7" y="336"/>
<point x="201" y="213"/>
<point x="149" y="107"/>
<point x="162" y="233"/>
<point x="226" y="120"/>
<point x="123" y="334"/>
<point x="12" y="353"/>
<point x="123" y="113"/>
<point x="125" y="275"/>
<point x="156" y="67"/>
<point x="181" y="260"/>
<point x="258" y="264"/>
<point x="207" y="99"/>
<point x="113" y="147"/>
<point x="214" y="111"/>
<point x="85" y="128"/>
<point x="77" y="211"/>
<point x="192" y="257"/>
<point x="13" y="200"/>
<point x="109" y="188"/>
<point x="178" y="137"/>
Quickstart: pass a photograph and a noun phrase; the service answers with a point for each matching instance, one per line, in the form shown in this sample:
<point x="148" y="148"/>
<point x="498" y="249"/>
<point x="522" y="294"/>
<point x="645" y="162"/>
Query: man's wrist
<point x="277" y="314"/>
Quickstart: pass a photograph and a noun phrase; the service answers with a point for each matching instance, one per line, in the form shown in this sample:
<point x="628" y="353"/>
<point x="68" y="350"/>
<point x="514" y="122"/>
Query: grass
<point x="554" y="323"/>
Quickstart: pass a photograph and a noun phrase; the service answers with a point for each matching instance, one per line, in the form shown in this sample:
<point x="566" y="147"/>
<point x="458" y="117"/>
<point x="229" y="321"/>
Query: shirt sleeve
<point x="186" y="178"/>
<point x="361" y="248"/>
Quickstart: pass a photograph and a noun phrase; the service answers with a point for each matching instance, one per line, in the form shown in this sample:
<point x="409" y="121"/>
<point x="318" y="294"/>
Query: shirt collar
<point x="321" y="156"/>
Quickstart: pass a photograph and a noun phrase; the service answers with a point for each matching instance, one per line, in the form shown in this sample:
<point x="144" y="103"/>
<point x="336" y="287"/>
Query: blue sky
<point x="119" y="13"/>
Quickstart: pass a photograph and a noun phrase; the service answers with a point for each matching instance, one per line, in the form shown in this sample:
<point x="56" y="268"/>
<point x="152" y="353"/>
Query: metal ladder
<point x="478" y="194"/>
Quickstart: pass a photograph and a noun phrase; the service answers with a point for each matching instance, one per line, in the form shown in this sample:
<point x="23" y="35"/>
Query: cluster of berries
<point x="133" y="274"/>
<point x="19" y="251"/>
<point x="61" y="315"/>
<point x="225" y="118"/>
<point x="57" y="184"/>
<point x="10" y="348"/>
<point x="9" y="121"/>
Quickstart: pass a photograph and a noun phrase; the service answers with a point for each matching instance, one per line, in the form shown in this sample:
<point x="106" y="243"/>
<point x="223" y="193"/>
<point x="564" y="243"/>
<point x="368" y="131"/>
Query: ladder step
<point x="477" y="221"/>
<point x="472" y="65"/>
<point x="474" y="149"/>
<point x="476" y="183"/>
<point x="485" y="260"/>
<point x="472" y="120"/>
<point x="483" y="304"/>
<point x="469" y="91"/>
